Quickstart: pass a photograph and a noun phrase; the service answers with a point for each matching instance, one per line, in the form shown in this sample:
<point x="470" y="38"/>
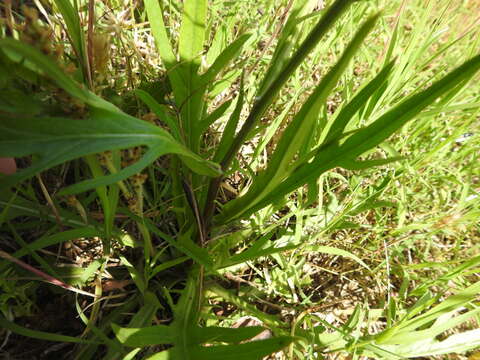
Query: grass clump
<point x="287" y="179"/>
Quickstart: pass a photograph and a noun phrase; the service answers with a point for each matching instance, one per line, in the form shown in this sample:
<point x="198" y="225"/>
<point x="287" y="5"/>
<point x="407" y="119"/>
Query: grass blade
<point x="369" y="137"/>
<point x="5" y="324"/>
<point x="300" y="128"/>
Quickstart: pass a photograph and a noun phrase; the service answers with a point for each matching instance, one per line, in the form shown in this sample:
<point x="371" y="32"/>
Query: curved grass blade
<point x="264" y="101"/>
<point x="300" y="128"/>
<point x="42" y="335"/>
<point x="372" y="135"/>
<point x="346" y="114"/>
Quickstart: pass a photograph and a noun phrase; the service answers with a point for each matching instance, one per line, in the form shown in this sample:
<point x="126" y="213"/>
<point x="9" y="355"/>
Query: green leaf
<point x="74" y="30"/>
<point x="166" y="265"/>
<point x="58" y="238"/>
<point x="213" y="116"/>
<point x="147" y="312"/>
<point x="159" y="31"/>
<point x="136" y="276"/>
<point x="408" y="336"/>
<point x="192" y="30"/>
<point x="211" y="334"/>
<point x="164" y="47"/>
<point x="299" y="129"/>
<point x="250" y="350"/>
<point x="46" y="67"/>
<point x="264" y="100"/>
<point x="57" y="140"/>
<point x="5" y="324"/>
<point x="394" y="119"/>
<point x="224" y="59"/>
<point x="372" y="135"/>
<point x="140" y="337"/>
<point x="360" y="165"/>
<point x="185" y="245"/>
<point x="163" y="334"/>
<point x="229" y="131"/>
<point x="454" y="344"/>
<point x="347" y="113"/>
<point x="291" y="35"/>
<point x="190" y="48"/>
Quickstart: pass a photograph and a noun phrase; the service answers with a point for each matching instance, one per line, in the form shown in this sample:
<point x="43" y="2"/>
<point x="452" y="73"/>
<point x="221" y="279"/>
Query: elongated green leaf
<point x="162" y="334"/>
<point x="298" y="130"/>
<point x="139" y="337"/>
<point x="192" y="31"/>
<point x="408" y="336"/>
<point x="57" y="140"/>
<point x="263" y="101"/>
<point x="387" y="124"/>
<point x="166" y="265"/>
<point x="289" y="37"/>
<point x="24" y="207"/>
<point x="255" y="350"/>
<point x="5" y="324"/>
<point x="111" y="343"/>
<point x="372" y="135"/>
<point x="211" y="334"/>
<point x="302" y="125"/>
<point x="187" y="246"/>
<point x="231" y="127"/>
<point x="453" y="302"/>
<point x="360" y="165"/>
<point x="224" y="59"/>
<point x="74" y="29"/>
<point x="346" y="114"/>
<point x="99" y="182"/>
<point x="162" y="41"/>
<point x="452" y="274"/>
<point x="457" y="343"/>
<point x="254" y="253"/>
<point x="164" y="47"/>
<point x="190" y="47"/>
<point x="58" y="238"/>
<point x="213" y="116"/>
<point x="136" y="275"/>
<point x="186" y="314"/>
